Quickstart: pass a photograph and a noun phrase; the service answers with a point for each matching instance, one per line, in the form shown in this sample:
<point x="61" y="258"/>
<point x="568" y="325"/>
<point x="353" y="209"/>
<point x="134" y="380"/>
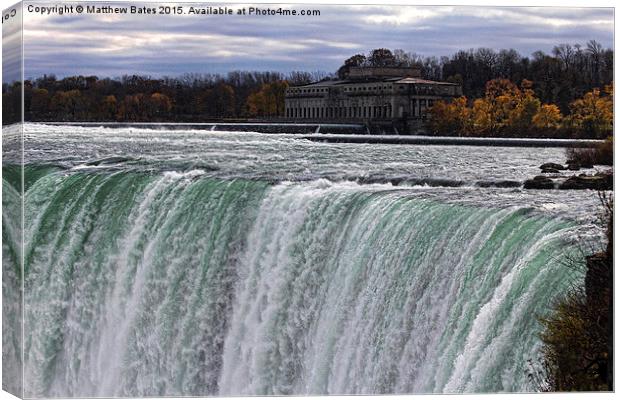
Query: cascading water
<point x="12" y="322"/>
<point x="178" y="284"/>
<point x="194" y="266"/>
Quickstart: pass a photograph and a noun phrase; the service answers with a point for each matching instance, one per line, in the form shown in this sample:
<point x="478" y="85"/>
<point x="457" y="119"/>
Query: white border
<point x="546" y="3"/>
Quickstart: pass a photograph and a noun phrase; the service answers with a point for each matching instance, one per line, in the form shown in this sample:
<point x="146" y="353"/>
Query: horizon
<point x="223" y="75"/>
<point x="157" y="46"/>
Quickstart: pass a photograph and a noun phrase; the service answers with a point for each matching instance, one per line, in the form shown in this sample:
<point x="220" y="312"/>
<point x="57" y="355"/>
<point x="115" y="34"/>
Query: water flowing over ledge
<point x="193" y="262"/>
<point x="343" y="133"/>
<point x="181" y="284"/>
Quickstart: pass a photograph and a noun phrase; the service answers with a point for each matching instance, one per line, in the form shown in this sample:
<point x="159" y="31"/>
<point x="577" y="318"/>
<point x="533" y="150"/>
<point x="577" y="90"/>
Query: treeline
<point x="510" y="110"/>
<point x="188" y="98"/>
<point x="558" y="78"/>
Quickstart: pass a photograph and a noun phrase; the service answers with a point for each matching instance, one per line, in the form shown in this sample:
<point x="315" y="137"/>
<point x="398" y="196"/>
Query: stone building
<point x="384" y="99"/>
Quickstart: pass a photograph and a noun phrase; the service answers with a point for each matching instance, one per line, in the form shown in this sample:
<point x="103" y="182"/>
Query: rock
<point x="573" y="167"/>
<point x="539" y="182"/>
<point x="551" y="165"/>
<point x="600" y="181"/>
<point x="499" y="184"/>
<point x="550" y="171"/>
<point x="586" y="165"/>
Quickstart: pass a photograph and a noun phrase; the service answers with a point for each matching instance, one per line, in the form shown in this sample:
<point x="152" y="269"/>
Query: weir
<point x="262" y="127"/>
<point x="346" y="133"/>
<point x="453" y="141"/>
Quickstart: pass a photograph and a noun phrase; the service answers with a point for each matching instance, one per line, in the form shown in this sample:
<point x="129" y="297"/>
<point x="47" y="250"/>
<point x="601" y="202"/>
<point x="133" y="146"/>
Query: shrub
<point x="603" y="154"/>
<point x="578" y="334"/>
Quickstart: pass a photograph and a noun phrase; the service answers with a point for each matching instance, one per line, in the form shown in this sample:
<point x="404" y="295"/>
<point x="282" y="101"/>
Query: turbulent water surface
<point x="226" y="263"/>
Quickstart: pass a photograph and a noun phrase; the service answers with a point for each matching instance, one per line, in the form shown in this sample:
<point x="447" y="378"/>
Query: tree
<point x="223" y="100"/>
<point x="40" y="101"/>
<point x="355" y="61"/>
<point x="108" y="108"/>
<point x="65" y="104"/>
<point x="482" y="116"/>
<point x="547" y="117"/>
<point x="451" y="117"/>
<point x="268" y="101"/>
<point x="593" y="113"/>
<point x="158" y="105"/>
<point x="132" y="108"/>
<point x="381" y="58"/>
<point x="526" y="106"/>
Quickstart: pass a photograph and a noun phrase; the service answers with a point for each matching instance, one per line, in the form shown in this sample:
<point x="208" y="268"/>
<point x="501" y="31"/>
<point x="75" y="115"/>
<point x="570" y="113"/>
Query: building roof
<point x="399" y="80"/>
<point x="420" y="80"/>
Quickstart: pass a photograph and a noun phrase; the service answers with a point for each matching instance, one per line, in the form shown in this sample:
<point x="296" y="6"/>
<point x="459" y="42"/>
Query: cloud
<point x="12" y="45"/>
<point x="113" y="45"/>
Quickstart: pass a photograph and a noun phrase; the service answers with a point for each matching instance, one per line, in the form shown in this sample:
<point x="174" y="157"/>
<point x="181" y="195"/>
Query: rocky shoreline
<point x="553" y="179"/>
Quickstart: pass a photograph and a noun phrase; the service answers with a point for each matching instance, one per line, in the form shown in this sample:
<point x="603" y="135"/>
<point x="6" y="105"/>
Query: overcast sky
<point x="113" y="45"/>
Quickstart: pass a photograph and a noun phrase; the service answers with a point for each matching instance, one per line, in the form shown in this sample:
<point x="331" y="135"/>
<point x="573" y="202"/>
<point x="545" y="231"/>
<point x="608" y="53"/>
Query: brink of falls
<point x="150" y="277"/>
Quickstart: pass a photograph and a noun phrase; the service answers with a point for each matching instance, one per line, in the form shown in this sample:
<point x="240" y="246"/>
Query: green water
<point x="170" y="283"/>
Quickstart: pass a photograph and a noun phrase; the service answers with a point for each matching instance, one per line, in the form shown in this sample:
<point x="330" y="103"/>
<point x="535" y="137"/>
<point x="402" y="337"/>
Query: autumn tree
<point x="268" y="101"/>
<point x="547" y="117"/>
<point x="454" y="116"/>
<point x="132" y="108"/>
<point x="593" y="113"/>
<point x="108" y="108"/>
<point x="482" y="116"/>
<point x="158" y="106"/>
<point x="525" y="106"/>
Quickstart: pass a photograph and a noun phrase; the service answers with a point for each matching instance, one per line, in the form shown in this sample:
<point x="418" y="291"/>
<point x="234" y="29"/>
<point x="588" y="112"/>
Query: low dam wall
<point x="347" y="133"/>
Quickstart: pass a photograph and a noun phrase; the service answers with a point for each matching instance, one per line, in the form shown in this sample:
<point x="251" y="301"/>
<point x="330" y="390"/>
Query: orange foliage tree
<point x="510" y="109"/>
<point x="594" y="112"/>
<point x="547" y="117"/>
<point x="454" y="116"/>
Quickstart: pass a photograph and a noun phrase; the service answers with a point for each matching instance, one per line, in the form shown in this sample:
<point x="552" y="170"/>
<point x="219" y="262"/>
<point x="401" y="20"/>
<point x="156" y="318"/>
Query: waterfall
<point x="11" y="281"/>
<point x="152" y="284"/>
